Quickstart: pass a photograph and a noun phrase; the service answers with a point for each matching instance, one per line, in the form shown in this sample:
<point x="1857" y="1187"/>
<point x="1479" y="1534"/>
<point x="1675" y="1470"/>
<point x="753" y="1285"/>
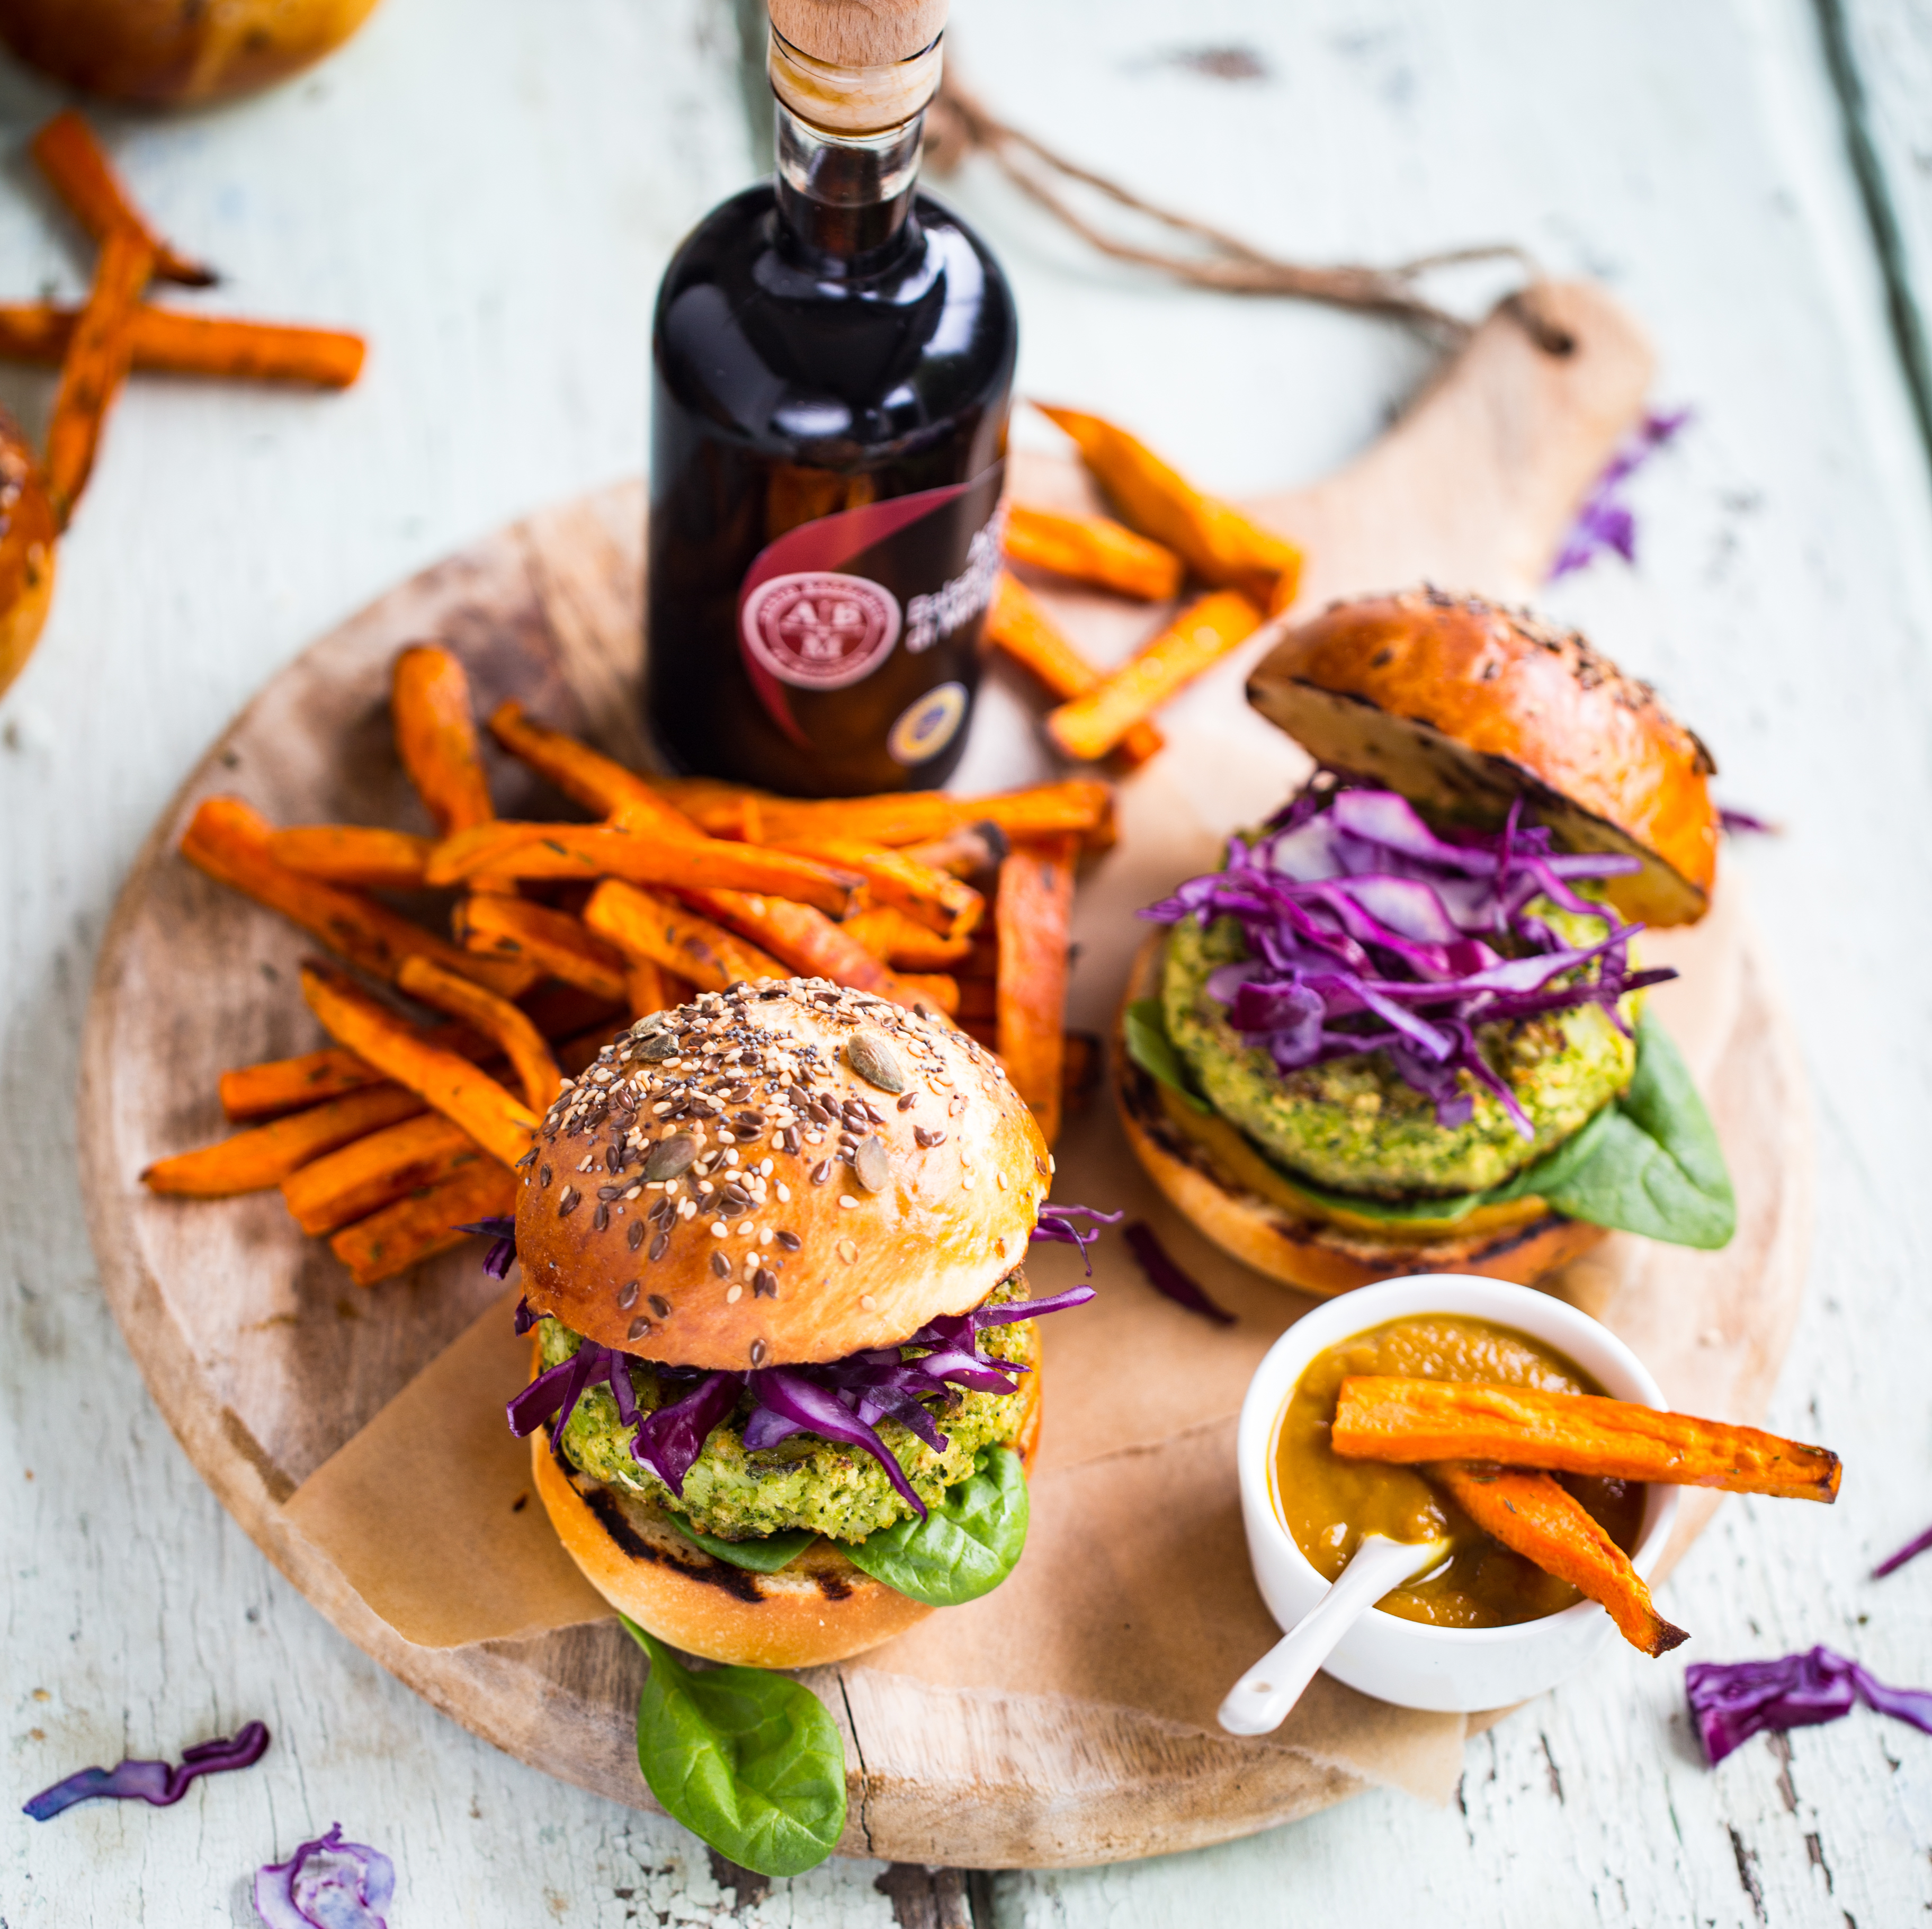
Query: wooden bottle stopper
<point x="855" y="66"/>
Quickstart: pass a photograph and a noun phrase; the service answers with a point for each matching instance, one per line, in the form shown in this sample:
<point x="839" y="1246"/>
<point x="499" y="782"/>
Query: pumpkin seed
<point x="875" y="1061"/>
<point x="670" y="1156"/>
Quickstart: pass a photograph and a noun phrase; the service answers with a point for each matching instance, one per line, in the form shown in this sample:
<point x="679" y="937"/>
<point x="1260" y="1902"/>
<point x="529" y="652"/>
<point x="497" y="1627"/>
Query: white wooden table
<point x="490" y="189"/>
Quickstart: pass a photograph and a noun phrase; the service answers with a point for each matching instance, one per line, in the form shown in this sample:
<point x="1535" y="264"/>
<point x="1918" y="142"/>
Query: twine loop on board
<point x="957" y="125"/>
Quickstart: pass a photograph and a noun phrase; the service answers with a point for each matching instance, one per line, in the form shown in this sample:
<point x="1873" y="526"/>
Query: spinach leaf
<point x="965" y="1546"/>
<point x="749" y="1762"/>
<point x="764" y="1555"/>
<point x="1148" y="1046"/>
<point x="1657" y="1168"/>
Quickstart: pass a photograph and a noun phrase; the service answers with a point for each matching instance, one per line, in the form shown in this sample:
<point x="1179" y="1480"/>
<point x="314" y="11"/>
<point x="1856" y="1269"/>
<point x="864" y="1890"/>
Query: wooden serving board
<point x="1068" y="1735"/>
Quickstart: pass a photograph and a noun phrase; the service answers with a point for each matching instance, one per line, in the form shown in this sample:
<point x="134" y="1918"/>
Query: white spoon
<point x="1259" y="1702"/>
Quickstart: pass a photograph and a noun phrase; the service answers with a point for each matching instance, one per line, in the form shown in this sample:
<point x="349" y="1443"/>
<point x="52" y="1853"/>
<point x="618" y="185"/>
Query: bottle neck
<point x="846" y="197"/>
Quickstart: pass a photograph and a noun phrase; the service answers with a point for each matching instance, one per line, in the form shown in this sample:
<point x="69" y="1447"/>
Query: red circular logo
<point x="820" y="630"/>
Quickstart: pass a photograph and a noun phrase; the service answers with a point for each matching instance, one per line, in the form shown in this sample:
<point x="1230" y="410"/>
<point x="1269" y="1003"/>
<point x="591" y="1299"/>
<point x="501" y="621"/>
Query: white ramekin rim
<point x="1542" y="1315"/>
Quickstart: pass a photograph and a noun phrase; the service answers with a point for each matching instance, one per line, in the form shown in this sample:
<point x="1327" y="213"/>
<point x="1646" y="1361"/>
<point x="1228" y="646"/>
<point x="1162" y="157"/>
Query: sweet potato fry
<point x="964" y="851"/>
<point x="252" y="1162"/>
<point x="490" y="1114"/>
<point x="499" y="1021"/>
<point x="1083" y="805"/>
<point x="352" y="853"/>
<point x="586" y="776"/>
<point x="656" y="932"/>
<point x="1094" y="549"/>
<point x="1092" y="725"/>
<point x="79" y="171"/>
<point x="98" y="354"/>
<point x="435" y="728"/>
<point x="890" y="935"/>
<point x="1381" y="1418"/>
<point x="1543" y="1522"/>
<point x="349" y="1184"/>
<point x="647" y="856"/>
<point x="230" y="842"/>
<point x="392" y="1241"/>
<point x="808" y="943"/>
<point x="167" y="342"/>
<point x="1219" y="544"/>
<point x="502" y="927"/>
<point x="278" y="1085"/>
<point x="1018" y="624"/>
<point x="930" y="897"/>
<point x="1030" y="917"/>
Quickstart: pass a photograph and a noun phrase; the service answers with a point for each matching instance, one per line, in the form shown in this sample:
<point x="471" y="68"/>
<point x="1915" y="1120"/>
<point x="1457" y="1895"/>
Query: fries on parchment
<point x="1091" y="549"/>
<point x="388" y="1139"/>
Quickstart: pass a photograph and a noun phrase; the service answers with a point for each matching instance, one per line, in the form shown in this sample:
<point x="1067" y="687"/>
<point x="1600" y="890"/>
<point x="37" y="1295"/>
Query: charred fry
<point x="392" y="1241"/>
<point x="1378" y="1418"/>
<point x="564" y="946"/>
<point x="658" y="932"/>
<point x="1531" y="1514"/>
<point x="496" y="1018"/>
<point x="230" y="842"/>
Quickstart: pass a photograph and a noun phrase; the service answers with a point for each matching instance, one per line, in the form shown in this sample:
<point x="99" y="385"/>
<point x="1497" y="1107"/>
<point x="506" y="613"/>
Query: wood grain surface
<point x="491" y="191"/>
<point x="266" y="1361"/>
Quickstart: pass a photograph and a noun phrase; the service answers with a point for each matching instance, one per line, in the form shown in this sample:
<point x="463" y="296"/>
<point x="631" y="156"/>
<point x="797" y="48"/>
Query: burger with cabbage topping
<point x="786" y="1380"/>
<point x="1401" y="1030"/>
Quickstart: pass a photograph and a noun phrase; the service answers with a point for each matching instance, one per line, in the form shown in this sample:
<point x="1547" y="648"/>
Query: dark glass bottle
<point x="831" y="362"/>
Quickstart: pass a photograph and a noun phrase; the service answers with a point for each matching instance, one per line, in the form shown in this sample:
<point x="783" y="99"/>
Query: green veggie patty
<point x="1353" y="1124"/>
<point x="804" y="1481"/>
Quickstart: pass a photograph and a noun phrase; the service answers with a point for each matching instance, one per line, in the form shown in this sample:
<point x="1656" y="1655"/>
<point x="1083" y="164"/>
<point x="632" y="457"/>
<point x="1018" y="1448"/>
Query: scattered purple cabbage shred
<point x="1736" y="823"/>
<point x="160" y="1784"/>
<point x="1166" y="1276"/>
<point x="326" y="1884"/>
<point x="502" y="1253"/>
<point x="1605" y="521"/>
<point x="1056" y="1226"/>
<point x="1910" y="1551"/>
<point x="1732" y="1701"/>
<point x="1367" y="931"/>
<point x="839" y="1399"/>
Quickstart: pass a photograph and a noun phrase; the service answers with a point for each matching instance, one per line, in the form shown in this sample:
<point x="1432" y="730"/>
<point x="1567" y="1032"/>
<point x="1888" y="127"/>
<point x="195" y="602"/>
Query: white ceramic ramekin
<point x="1451" y="1670"/>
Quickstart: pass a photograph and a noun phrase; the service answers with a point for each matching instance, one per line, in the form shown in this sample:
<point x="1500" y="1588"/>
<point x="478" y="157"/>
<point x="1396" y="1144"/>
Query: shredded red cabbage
<point x="841" y="1399"/>
<point x="1367" y="931"/>
<point x="1735" y="823"/>
<point x="1167" y="1278"/>
<point x="1910" y="1551"/>
<point x="503" y="1232"/>
<point x="159" y="1784"/>
<point x="1605" y="521"/>
<point x="1732" y="1701"/>
<point x="326" y="1884"/>
<point x="1056" y="1226"/>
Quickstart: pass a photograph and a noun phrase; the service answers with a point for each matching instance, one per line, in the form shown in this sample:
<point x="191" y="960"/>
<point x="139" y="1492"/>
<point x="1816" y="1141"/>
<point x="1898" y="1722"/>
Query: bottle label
<point x="828" y="604"/>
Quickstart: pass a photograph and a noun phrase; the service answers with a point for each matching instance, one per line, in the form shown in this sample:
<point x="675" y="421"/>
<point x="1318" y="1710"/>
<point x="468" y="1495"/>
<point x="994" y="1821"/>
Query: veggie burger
<point x="1401" y="1030"/>
<point x="786" y="1367"/>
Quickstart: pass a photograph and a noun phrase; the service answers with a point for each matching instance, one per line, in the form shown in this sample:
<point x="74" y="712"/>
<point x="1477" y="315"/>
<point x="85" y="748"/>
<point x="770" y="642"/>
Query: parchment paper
<point x="1135" y="1592"/>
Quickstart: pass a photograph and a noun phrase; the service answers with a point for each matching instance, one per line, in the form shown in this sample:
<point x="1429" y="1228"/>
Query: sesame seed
<point x="847" y="1200"/>
<point x="848" y="1250"/>
<point x="866" y="1301"/>
<point x="734" y="1295"/>
<point x="1002" y="1177"/>
<point x="784" y="1194"/>
<point x="966" y="1180"/>
<point x="719" y="1229"/>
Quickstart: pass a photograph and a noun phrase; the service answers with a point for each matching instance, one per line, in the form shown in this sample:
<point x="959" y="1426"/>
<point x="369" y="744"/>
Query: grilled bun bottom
<point x="820" y="1608"/>
<point x="1203" y="1172"/>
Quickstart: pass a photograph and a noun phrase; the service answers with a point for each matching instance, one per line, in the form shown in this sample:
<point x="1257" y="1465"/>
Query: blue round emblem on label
<point x="927" y="724"/>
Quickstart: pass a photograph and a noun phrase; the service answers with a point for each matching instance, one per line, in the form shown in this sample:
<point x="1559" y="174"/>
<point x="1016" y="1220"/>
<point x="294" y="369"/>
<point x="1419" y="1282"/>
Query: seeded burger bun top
<point x="885" y="1173"/>
<point x="1463" y="705"/>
